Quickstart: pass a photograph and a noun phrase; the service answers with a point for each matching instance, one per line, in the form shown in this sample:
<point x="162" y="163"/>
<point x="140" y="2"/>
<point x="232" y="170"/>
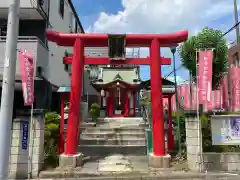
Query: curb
<point x="110" y="176"/>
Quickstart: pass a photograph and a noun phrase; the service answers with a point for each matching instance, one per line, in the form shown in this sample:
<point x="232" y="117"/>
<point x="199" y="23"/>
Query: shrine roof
<point x="127" y="75"/>
<point x="147" y="84"/>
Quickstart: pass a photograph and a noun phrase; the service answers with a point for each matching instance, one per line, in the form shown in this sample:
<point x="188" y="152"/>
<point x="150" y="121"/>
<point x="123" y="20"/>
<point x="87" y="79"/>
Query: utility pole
<point x="173" y="50"/>
<point x="8" y="87"/>
<point x="236" y="20"/>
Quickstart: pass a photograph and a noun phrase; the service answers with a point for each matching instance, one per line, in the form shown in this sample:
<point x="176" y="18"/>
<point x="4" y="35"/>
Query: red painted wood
<point x="102" y="61"/>
<point x="156" y="99"/>
<point x="101" y="40"/>
<point x="75" y="97"/>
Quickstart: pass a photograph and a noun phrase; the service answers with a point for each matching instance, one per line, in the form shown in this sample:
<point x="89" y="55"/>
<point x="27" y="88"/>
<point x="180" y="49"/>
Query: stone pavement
<point x="116" y="163"/>
<point x="95" y="166"/>
<point x="178" y="176"/>
<point x="117" y="166"/>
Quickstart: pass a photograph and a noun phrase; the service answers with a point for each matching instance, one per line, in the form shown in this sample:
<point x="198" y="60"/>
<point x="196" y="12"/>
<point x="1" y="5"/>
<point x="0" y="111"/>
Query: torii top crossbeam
<point x="132" y="40"/>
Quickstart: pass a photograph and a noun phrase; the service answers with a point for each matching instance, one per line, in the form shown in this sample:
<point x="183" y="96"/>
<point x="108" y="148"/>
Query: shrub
<point x="95" y="112"/>
<point x="51" y="135"/>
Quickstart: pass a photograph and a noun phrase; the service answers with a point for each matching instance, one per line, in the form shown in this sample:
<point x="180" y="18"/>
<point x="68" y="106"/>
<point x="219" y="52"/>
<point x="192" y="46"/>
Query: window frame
<point x="61" y="8"/>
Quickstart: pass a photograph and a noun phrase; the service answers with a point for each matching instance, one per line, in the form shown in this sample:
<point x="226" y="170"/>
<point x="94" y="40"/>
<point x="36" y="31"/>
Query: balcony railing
<point x="29" y="9"/>
<point x="103" y="52"/>
<point x="32" y="45"/>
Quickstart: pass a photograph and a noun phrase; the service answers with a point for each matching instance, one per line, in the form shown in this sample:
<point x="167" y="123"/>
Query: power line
<point x="173" y="71"/>
<point x="232" y="28"/>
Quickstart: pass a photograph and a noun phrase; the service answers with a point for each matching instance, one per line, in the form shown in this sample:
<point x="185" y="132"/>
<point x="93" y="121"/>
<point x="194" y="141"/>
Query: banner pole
<point x="31" y="139"/>
<point x="198" y="118"/>
<point x="32" y="129"/>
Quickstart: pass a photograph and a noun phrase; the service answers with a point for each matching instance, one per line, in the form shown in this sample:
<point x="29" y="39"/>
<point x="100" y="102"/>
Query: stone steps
<point x="113" y="135"/>
<point x="107" y="124"/>
<point x="107" y="135"/>
<point x="112" y="141"/>
<point x="104" y="150"/>
<point x="109" y="130"/>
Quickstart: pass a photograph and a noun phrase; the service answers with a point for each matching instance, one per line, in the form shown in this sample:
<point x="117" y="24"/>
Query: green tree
<point x="207" y="39"/>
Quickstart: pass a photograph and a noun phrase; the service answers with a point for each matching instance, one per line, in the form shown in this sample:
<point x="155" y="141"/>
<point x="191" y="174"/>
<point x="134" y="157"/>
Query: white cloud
<point x="162" y="16"/>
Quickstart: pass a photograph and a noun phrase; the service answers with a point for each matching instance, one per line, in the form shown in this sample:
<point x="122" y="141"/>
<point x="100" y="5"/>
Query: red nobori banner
<point x="173" y="101"/>
<point x="217" y="102"/>
<point x="235" y="71"/>
<point x="193" y="97"/>
<point x="27" y="74"/>
<point x="186" y="95"/>
<point x="224" y="92"/>
<point x="205" y="78"/>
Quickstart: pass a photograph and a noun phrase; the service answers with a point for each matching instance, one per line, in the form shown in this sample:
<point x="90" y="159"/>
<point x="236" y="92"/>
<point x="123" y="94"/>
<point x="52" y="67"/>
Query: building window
<point x="3" y="28"/>
<point x="61" y="8"/>
<point x="70" y="22"/>
<point x="3" y="31"/>
<point x="236" y="59"/>
<point x="76" y="26"/>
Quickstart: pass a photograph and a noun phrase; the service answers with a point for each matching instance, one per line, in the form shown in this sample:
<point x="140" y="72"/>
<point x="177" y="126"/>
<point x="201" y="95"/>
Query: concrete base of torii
<point x="159" y="161"/>
<point x="70" y="161"/>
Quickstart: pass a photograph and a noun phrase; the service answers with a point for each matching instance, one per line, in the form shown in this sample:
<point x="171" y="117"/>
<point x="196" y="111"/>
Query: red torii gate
<point x="78" y="60"/>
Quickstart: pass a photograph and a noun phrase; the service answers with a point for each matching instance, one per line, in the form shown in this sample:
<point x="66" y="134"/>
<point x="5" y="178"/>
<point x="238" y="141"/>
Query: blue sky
<point x="155" y="16"/>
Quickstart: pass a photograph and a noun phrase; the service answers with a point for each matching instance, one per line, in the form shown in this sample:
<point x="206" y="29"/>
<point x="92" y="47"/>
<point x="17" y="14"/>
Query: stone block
<point x="192" y="157"/>
<point x="221" y="161"/>
<point x="191" y="133"/>
<point x="38" y="133"/>
<point x="233" y="166"/>
<point x="192" y="125"/>
<point x="70" y="161"/>
<point x="39" y="122"/>
<point x="16" y="124"/>
<point x="18" y="170"/>
<point x="159" y="161"/>
<point x="16" y="133"/>
<point x="16" y="142"/>
<point x="193" y="166"/>
<point x="193" y="149"/>
<point x="192" y="141"/>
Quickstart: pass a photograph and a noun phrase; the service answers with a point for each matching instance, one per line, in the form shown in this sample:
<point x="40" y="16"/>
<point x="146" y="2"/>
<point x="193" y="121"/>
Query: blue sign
<point x="24" y="135"/>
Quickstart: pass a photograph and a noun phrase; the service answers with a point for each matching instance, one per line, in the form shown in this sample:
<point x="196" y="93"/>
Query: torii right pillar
<point x="159" y="158"/>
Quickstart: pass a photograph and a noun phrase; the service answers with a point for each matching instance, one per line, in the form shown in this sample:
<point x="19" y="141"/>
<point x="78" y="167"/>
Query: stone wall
<point x="18" y="166"/>
<point x="206" y="161"/>
<point x="221" y="161"/>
